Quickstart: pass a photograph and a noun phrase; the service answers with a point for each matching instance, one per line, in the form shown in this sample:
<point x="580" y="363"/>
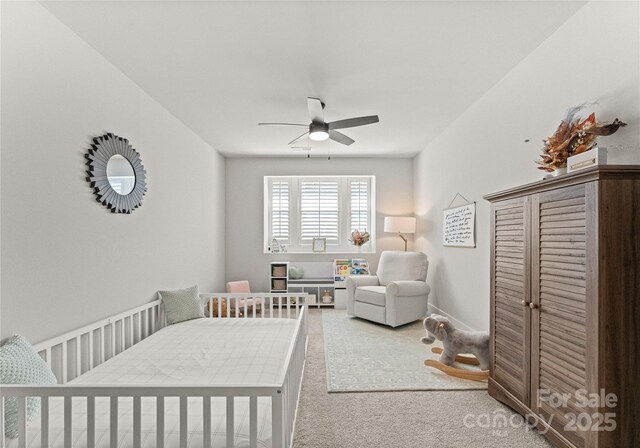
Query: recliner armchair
<point x="399" y="293"/>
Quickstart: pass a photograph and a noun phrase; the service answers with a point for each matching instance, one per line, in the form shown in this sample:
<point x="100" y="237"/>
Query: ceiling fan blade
<point x="353" y="122"/>
<point x="316" y="112"/>
<point x="282" y="124"/>
<point x="297" y="139"/>
<point x="340" y="138"/>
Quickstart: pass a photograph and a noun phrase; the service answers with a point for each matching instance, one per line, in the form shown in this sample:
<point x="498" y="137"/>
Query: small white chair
<point x="399" y="293"/>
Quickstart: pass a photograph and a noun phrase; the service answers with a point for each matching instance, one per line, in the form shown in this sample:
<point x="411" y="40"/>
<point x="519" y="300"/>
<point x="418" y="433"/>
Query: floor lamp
<point x="400" y="225"/>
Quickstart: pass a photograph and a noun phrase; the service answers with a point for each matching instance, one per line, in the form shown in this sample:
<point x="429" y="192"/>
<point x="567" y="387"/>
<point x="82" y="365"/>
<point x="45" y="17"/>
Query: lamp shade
<point x="400" y="224"/>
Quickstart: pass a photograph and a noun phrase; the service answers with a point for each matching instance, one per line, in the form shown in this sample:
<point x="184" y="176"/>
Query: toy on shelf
<point x="456" y="345"/>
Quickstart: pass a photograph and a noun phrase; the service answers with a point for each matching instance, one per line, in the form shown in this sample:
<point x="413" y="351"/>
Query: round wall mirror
<point x="116" y="174"/>
<point x="120" y="175"/>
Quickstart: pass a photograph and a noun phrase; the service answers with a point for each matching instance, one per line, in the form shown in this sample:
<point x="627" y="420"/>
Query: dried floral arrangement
<point x="359" y="238"/>
<point x="573" y="136"/>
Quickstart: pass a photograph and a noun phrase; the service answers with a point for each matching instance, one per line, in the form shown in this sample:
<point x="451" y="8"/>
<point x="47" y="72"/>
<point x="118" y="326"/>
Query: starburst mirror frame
<point x="102" y="149"/>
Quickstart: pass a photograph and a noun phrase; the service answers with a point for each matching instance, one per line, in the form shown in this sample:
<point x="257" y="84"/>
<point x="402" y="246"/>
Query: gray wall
<point x="67" y="261"/>
<point x="244" y="180"/>
<point x="484" y="151"/>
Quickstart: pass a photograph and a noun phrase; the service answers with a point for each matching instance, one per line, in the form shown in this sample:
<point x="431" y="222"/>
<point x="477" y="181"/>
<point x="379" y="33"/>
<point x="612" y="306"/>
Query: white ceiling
<point x="222" y="67"/>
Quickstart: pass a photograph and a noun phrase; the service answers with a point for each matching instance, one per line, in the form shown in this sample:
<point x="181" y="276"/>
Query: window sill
<point x="321" y="253"/>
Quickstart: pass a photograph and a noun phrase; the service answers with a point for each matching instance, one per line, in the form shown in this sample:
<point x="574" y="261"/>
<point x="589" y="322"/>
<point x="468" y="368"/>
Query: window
<point x="280" y="210"/>
<point x="300" y="208"/>
<point x="319" y="210"/>
<point x="359" y="194"/>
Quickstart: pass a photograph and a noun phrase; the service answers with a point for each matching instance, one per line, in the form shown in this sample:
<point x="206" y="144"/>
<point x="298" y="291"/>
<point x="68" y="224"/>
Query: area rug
<point x="363" y="356"/>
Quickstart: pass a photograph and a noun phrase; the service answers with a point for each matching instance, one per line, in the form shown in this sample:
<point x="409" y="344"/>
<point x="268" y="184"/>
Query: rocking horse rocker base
<point x="479" y="375"/>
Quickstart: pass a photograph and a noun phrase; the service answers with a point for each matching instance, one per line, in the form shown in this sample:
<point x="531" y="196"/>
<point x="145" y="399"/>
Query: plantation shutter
<point x="319" y="210"/>
<point x="359" y="201"/>
<point x="280" y="210"/>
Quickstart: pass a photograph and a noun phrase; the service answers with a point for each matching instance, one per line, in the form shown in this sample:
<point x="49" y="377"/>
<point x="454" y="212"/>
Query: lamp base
<point x="405" y="241"/>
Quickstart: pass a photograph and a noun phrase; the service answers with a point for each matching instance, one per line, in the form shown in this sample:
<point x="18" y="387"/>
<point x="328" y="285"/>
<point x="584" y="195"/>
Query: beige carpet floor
<point x="398" y="419"/>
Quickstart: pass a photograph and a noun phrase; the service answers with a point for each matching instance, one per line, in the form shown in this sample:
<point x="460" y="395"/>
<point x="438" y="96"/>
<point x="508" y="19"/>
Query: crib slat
<point x="112" y="353"/>
<point x="48" y="355"/>
<point x="44" y="422"/>
<point x="68" y="421"/>
<point x="160" y="422"/>
<point x="206" y="422"/>
<point x="102" y="345"/>
<point x="91" y="350"/>
<point x="91" y="422"/>
<point x="253" y="422"/>
<point x="230" y="422"/>
<point x="2" y="422"/>
<point x="122" y="335"/>
<point x="139" y="326"/>
<point x="78" y="356"/>
<point x="183" y="422"/>
<point x="276" y="420"/>
<point x="137" y="422"/>
<point x="131" y="342"/>
<point x="64" y="362"/>
<point x="22" y="421"/>
<point x="113" y="423"/>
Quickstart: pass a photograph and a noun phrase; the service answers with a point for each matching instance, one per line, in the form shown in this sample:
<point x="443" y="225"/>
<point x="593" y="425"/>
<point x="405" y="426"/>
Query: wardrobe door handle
<point x="525" y="303"/>
<point x="533" y="306"/>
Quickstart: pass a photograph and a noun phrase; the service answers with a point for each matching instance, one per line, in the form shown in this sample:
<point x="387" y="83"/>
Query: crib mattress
<point x="216" y="352"/>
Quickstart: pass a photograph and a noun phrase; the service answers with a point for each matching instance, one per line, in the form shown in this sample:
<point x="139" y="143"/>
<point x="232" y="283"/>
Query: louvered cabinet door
<point x="510" y="274"/>
<point x="559" y="340"/>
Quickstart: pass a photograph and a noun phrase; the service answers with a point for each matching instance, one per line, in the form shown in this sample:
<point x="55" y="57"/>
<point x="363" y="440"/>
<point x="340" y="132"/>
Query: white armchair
<point x="397" y="295"/>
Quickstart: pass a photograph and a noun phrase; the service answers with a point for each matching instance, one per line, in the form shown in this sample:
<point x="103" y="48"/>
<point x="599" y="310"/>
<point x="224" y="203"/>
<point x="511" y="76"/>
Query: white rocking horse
<point x="466" y="347"/>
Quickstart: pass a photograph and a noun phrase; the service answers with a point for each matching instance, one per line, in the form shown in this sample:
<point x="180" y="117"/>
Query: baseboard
<point x="458" y="323"/>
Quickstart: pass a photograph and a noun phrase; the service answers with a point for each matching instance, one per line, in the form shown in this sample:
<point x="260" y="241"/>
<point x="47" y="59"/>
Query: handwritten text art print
<point x="459" y="226"/>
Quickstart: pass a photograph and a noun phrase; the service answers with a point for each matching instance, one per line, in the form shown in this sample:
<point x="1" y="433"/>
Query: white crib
<point x="79" y="351"/>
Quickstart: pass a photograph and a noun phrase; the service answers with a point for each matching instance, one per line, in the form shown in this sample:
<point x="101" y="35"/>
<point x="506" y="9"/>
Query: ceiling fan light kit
<point x="319" y="130"/>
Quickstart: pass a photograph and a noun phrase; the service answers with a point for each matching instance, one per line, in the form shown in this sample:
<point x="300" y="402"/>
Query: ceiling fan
<point x="320" y="130"/>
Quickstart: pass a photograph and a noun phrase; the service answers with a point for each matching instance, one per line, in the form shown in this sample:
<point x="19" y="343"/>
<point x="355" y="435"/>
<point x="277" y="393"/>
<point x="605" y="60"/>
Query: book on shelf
<point x="359" y="266"/>
<point x="341" y="269"/>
